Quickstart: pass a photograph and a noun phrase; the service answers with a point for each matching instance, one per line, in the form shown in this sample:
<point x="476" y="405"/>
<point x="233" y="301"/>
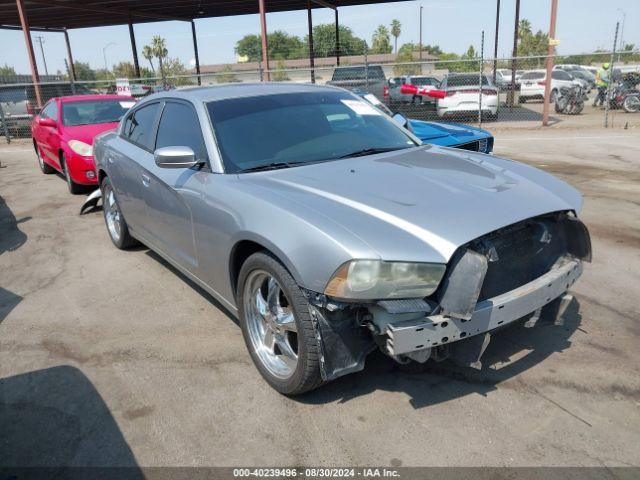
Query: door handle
<point x="110" y="159"/>
<point x="145" y="180"/>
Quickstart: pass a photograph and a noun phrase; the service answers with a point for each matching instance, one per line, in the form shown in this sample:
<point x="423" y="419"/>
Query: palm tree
<point x="159" y="48"/>
<point x="380" y="41"/>
<point x="147" y="52"/>
<point x="396" y="29"/>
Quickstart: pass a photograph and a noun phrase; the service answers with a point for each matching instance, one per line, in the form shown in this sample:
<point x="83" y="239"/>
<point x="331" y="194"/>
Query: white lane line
<point x="563" y="138"/>
<point x="15" y="150"/>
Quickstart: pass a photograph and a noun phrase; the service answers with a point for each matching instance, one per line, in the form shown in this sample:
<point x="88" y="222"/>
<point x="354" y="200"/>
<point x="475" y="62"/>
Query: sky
<point x="582" y="26"/>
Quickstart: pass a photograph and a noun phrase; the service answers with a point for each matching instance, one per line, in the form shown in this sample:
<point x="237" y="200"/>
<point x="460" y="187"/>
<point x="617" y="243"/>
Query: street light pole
<point x="104" y="53"/>
<point x="40" y="40"/>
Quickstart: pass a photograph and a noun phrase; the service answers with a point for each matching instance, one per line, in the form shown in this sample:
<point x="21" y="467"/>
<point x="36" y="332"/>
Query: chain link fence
<point x="478" y="92"/>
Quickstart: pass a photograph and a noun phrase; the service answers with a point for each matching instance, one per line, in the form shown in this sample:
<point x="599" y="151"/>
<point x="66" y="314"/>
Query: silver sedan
<point x="330" y="231"/>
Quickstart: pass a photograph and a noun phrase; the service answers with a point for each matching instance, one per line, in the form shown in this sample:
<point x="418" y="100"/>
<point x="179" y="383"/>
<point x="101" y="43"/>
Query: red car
<point x="64" y="130"/>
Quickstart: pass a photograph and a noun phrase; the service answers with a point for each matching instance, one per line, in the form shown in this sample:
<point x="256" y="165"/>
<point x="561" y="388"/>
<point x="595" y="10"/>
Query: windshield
<point x="357" y="73"/>
<point x="298" y="128"/>
<point x="424" y="81"/>
<point x="466" y="81"/>
<point x="90" y="112"/>
<point x="533" y="75"/>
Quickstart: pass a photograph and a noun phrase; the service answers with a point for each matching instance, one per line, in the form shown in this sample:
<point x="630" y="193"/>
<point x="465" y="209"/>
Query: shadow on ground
<point x="11" y="237"/>
<point x="434" y="383"/>
<point x="54" y="419"/>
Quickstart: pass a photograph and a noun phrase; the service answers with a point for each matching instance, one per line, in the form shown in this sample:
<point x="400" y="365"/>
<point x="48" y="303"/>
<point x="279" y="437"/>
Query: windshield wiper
<point x="371" y="151"/>
<point x="268" y="166"/>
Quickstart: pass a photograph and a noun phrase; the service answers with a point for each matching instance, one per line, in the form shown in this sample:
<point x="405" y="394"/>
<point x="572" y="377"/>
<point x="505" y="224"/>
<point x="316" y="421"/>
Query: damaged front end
<point x="504" y="276"/>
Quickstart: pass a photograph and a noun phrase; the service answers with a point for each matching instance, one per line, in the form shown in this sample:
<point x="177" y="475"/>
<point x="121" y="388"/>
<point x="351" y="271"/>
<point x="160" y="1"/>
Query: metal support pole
<point x="311" y="54"/>
<point x="32" y="58"/>
<point x="263" y="36"/>
<point x="516" y="33"/>
<point x="608" y="95"/>
<point x="420" y="44"/>
<point x="72" y="68"/>
<point x="480" y="80"/>
<point x="195" y="50"/>
<point x="495" y="46"/>
<point x="134" y="50"/>
<point x="40" y="40"/>
<point x="337" y="38"/>
<point x="550" y="53"/>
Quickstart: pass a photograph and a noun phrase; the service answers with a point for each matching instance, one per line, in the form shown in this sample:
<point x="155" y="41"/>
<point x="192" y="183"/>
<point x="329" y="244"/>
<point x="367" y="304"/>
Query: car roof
<point x="81" y="98"/>
<point x="224" y="92"/>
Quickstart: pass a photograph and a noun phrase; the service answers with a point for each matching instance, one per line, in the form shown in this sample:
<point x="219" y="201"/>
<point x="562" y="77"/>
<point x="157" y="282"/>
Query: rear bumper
<point x="414" y="335"/>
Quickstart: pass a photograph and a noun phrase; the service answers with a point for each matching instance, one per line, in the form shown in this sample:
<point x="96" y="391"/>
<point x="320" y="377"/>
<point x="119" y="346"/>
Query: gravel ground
<point x="113" y="358"/>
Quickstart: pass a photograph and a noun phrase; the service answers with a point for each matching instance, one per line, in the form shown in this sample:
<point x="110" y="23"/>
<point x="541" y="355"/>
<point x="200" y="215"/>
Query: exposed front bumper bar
<point x="410" y="336"/>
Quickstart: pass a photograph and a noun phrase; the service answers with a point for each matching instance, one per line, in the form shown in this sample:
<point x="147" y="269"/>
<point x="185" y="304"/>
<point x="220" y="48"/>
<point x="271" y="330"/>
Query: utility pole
<point x="550" y="53"/>
<point x="40" y="40"/>
<point x="420" y="46"/>
<point x="512" y="93"/>
<point x="608" y="94"/>
<point x="495" y="47"/>
<point x="624" y="17"/>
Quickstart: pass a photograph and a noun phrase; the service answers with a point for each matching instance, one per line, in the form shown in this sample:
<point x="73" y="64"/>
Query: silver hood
<point x="423" y="203"/>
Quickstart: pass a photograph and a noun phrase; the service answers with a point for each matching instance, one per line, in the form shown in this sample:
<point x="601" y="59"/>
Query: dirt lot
<point x="110" y="357"/>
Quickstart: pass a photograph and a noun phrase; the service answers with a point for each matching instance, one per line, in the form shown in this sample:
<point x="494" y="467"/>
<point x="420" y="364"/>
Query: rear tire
<point x="74" y="188"/>
<point x="116" y="225"/>
<point x="44" y="167"/>
<point x="290" y="365"/>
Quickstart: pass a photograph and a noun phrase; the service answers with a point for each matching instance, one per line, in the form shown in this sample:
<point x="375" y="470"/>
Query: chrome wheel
<point x="112" y="215"/>
<point x="270" y="324"/>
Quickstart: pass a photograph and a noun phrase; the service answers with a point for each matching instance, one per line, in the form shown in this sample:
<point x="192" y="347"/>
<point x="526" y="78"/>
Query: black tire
<point x="74" y="188"/>
<point x="631" y="104"/>
<point x="44" y="167"/>
<point x="307" y="375"/>
<point x="124" y="240"/>
<point x="553" y="96"/>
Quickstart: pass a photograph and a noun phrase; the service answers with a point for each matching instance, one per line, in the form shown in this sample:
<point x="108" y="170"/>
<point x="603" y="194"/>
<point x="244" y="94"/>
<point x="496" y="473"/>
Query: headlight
<point x="378" y="280"/>
<point x="81" y="148"/>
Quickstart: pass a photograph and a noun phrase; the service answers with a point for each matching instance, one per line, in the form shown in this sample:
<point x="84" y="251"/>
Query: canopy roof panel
<point x="57" y="14"/>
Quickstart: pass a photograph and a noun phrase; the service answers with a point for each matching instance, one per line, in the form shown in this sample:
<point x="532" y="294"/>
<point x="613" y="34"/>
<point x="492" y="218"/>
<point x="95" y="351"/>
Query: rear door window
<point x="139" y="127"/>
<point x="14" y="94"/>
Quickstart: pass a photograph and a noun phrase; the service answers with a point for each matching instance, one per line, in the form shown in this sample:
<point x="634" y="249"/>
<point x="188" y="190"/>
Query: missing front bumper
<point x="414" y="335"/>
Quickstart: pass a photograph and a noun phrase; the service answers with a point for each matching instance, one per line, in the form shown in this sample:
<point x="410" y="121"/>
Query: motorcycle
<point x="570" y="100"/>
<point x="631" y="102"/>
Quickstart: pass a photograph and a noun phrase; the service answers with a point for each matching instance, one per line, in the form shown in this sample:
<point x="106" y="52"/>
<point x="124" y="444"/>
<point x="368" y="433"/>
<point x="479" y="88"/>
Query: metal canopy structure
<point x="59" y="14"/>
<point x="62" y="15"/>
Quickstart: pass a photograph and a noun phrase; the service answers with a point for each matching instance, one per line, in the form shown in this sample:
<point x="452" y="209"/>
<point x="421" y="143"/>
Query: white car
<point x="533" y="82"/>
<point x="462" y="96"/>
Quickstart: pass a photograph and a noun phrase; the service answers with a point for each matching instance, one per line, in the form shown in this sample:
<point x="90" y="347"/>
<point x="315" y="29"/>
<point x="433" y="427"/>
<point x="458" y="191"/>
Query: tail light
<point x="489" y="92"/>
<point x="30" y="108"/>
<point x="543" y="83"/>
<point x="385" y="91"/>
<point x="450" y="93"/>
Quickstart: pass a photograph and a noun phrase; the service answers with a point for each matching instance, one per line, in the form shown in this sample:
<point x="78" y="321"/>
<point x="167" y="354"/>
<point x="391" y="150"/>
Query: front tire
<point x="631" y="104"/>
<point x="277" y="326"/>
<point x="116" y="225"/>
<point x="74" y="188"/>
<point x="44" y="166"/>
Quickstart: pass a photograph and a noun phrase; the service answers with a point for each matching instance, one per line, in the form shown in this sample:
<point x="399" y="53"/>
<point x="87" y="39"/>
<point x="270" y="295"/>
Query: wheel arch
<point x="247" y="246"/>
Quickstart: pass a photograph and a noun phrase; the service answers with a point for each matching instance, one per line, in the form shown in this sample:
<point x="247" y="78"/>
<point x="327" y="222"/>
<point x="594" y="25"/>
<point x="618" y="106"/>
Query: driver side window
<point x="50" y="111"/>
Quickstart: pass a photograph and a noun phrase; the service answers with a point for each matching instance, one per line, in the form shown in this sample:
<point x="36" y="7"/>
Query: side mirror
<point x="46" y="122"/>
<point x="175" y="157"/>
<point x="400" y="120"/>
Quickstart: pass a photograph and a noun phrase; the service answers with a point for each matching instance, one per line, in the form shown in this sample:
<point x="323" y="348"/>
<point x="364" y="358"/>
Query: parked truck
<point x="365" y="78"/>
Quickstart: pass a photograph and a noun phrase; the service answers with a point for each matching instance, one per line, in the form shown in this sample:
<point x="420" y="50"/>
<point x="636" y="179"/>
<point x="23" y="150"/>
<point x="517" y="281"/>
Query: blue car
<point x="439" y="133"/>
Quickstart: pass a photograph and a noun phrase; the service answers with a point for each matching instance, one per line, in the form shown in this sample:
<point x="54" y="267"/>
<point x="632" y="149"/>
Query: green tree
<point x="147" y="52"/>
<point x="281" y="46"/>
<point x="84" y="71"/>
<point x="7" y="71"/>
<point x="531" y="44"/>
<point x="124" y="70"/>
<point x="403" y="61"/>
<point x="380" y="41"/>
<point x="159" y="49"/>
<point x="324" y="41"/>
<point x="396" y="30"/>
